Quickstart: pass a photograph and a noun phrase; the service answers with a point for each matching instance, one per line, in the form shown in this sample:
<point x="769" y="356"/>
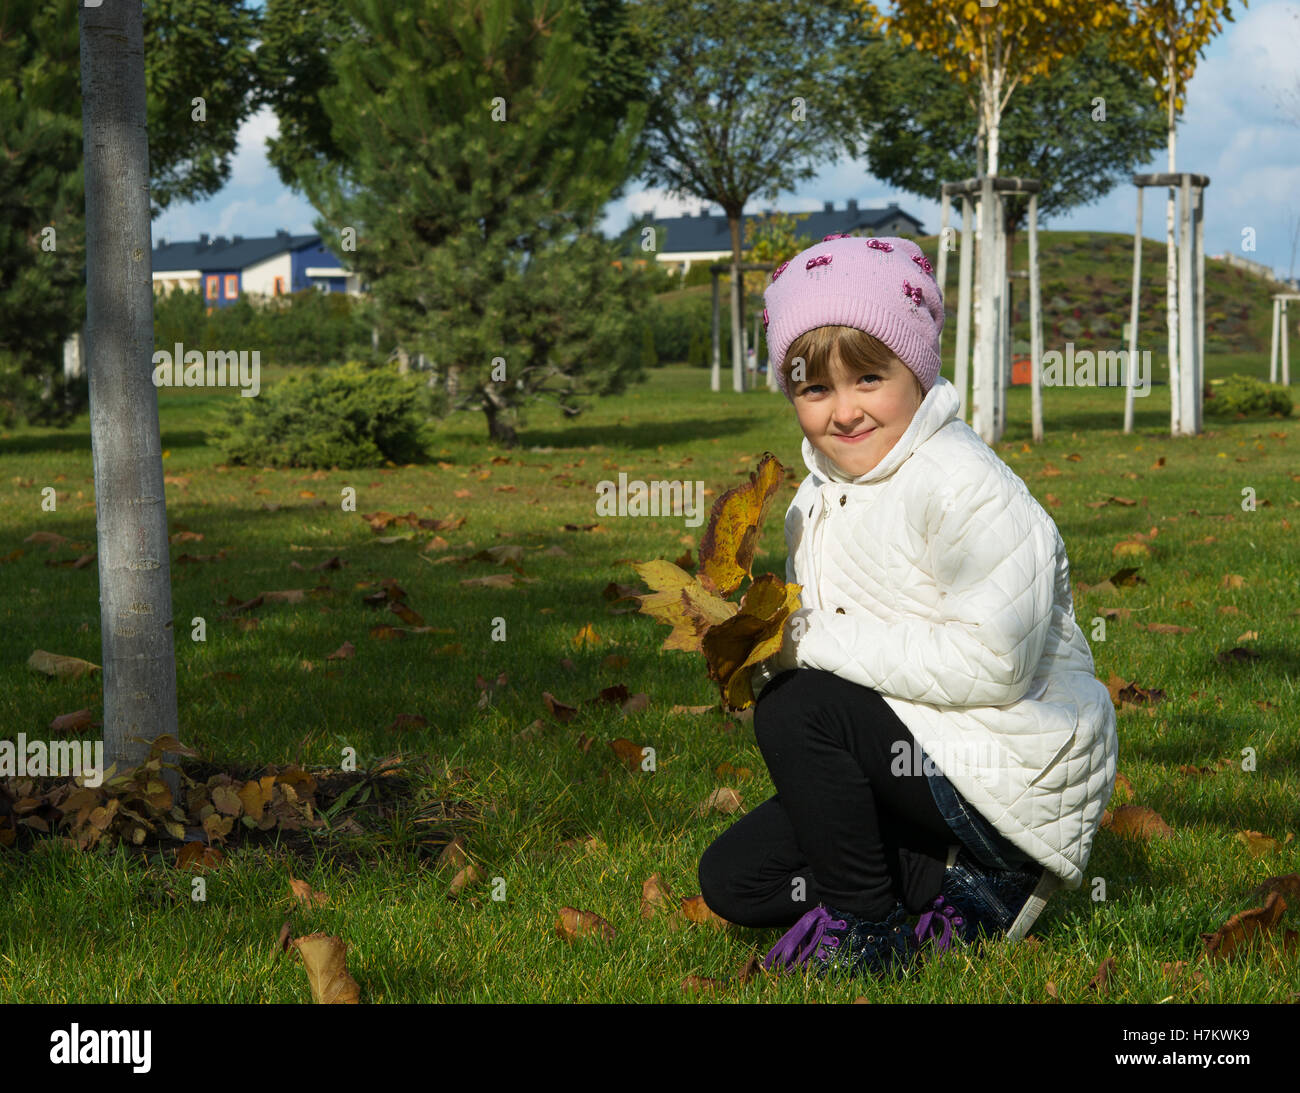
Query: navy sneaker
<point x="977" y="903"/>
<point x="840" y="941"/>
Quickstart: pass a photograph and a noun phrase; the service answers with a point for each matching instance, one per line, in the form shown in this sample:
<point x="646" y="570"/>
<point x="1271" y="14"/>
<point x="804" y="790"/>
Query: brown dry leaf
<point x="303" y="893"/>
<point x="73" y="722"/>
<point x="682" y="602"/>
<point x="1241" y="929"/>
<point x="726" y="770"/>
<point x="61" y="667"/>
<point x="614" y="662"/>
<point x="699" y="985"/>
<point x="1101" y="981"/>
<point x="1137" y="822"/>
<point x="198" y="858"/>
<point x="700" y="913"/>
<point x="408" y="616"/>
<point x="574" y="924"/>
<point x="289" y="595"/>
<point x="255" y="794"/>
<point x="470" y="874"/>
<point x="627" y="753"/>
<point x="1173" y="971"/>
<point x="343" y="652"/>
<point x="734" y="646"/>
<point x="1123" y="787"/>
<point x="1233" y="580"/>
<point x="1287" y="885"/>
<point x="656" y="896"/>
<point x="1258" y="843"/>
<point x="453" y="854"/>
<point x="561" y="711"/>
<point x="694" y="709"/>
<point x="325" y="958"/>
<point x="495" y="580"/>
<point x="226" y="799"/>
<point x="723" y="799"/>
<point x="286" y="932"/>
<point x="731" y="537"/>
<point x="635" y="703"/>
<point x="1052" y="992"/>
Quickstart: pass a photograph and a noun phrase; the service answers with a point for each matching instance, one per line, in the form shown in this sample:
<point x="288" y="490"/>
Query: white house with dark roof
<point x="224" y="269"/>
<point x="706" y="237"/>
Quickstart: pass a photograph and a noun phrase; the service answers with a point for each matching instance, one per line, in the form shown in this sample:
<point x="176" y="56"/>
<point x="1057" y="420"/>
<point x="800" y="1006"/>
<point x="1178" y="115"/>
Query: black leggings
<point x="843" y="828"/>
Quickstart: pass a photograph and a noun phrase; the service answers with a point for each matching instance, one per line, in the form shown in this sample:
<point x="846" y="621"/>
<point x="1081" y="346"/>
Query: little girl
<point x="933" y="724"/>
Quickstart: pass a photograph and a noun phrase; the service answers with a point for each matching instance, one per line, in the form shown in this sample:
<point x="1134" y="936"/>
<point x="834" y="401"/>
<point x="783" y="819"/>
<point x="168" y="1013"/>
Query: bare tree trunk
<point x="130" y="505"/>
<point x="500" y="418"/>
<point x="1171" y="273"/>
<point x="737" y="307"/>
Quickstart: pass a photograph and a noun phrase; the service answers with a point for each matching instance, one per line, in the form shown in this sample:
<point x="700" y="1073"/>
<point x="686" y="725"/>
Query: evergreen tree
<point x="474" y="168"/>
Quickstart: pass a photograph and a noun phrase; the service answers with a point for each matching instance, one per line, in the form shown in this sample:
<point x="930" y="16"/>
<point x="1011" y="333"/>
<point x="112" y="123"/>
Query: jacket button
<point x="839" y="611"/>
<point x="843" y="500"/>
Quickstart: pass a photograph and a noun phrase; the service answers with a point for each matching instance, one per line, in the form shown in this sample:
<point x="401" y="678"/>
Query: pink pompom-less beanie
<point x="885" y="287"/>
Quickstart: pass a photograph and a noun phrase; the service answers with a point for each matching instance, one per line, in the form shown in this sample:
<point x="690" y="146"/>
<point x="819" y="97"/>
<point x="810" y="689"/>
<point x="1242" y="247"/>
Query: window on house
<point x="213" y="287"/>
<point x="232" y="285"/>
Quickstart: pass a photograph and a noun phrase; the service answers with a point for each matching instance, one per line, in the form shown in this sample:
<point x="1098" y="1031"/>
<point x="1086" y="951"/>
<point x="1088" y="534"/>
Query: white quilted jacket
<point x="937" y="580"/>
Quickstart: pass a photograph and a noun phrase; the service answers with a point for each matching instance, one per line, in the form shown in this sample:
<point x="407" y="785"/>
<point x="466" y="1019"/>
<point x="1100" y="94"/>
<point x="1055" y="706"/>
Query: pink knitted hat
<point x="885" y="287"/>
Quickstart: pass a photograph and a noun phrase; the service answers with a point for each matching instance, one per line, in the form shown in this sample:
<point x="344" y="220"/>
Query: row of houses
<point x="224" y="269"/>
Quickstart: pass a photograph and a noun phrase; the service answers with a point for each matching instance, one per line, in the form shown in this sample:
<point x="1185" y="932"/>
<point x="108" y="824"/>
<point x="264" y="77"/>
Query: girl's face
<point x="855" y="420"/>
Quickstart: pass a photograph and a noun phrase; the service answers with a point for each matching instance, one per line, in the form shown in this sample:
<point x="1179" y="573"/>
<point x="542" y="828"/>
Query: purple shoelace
<point x="802" y="940"/>
<point x="938" y="923"/>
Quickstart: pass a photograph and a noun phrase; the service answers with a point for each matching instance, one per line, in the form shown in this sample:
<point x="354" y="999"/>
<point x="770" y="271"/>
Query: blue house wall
<point x="314" y="254"/>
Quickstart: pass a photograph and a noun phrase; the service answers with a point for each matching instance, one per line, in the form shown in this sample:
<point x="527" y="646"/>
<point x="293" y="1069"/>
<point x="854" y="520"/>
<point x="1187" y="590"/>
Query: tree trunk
<point x="1171" y="268"/>
<point x="737" y="306"/>
<point x="130" y="505"/>
<point x="500" y="418"/>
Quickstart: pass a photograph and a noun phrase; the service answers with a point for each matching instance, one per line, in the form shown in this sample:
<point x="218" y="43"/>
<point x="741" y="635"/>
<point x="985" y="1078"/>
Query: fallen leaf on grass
<point x="325" y="958"/>
<point x="1136" y="822"/>
<point x="197" y="857"/>
<point x="1241" y="930"/>
<point x="303" y="893"/>
<point x="1287" y="885"/>
<point x="559" y="710"/>
<point x="584" y="637"/>
<point x="1260" y="844"/>
<point x="574" y="924"/>
<point x="1123" y="787"/>
<point x="495" y="580"/>
<point x="288" y="595"/>
<point x="470" y="874"/>
<point x="700" y="913"/>
<point x="343" y="652"/>
<point x="627" y="753"/>
<point x="73" y="722"/>
<point x="699" y="985"/>
<point x="1101" y="981"/>
<point x="453" y="855"/>
<point x="723" y="799"/>
<point x="1173" y="971"/>
<point x="656" y="897"/>
<point x="61" y="667"/>
<point x="1052" y="992"/>
<point x="286" y="932"/>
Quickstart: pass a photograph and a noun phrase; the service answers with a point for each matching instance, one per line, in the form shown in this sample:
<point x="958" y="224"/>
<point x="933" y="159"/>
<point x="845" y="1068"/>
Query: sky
<point x="1236" y="128"/>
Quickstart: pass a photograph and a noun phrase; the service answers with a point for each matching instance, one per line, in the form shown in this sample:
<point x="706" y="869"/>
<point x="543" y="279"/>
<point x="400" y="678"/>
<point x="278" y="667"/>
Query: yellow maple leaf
<point x="727" y="549"/>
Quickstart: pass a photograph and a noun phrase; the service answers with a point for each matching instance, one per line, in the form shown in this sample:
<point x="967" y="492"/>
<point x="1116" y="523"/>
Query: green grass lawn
<point x="112" y="926"/>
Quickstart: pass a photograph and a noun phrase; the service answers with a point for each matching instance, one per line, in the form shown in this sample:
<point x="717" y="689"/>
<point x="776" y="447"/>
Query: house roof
<point x="222" y="253"/>
<point x="710" y="232"/>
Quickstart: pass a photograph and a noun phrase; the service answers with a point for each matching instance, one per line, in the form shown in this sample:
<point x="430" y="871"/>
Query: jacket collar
<point x="937" y="409"/>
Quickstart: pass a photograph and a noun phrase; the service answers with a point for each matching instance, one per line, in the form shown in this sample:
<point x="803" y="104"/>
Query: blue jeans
<point x="979" y="836"/>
